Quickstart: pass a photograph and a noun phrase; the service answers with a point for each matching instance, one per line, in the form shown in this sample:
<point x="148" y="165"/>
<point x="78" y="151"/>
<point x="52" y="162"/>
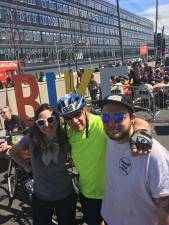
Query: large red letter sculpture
<point x="21" y="101"/>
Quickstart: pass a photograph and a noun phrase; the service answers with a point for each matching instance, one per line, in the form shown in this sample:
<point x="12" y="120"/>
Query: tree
<point x="16" y="35"/>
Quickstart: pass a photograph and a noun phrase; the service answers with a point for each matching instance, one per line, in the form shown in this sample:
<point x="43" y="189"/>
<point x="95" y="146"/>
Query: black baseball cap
<point x="117" y="98"/>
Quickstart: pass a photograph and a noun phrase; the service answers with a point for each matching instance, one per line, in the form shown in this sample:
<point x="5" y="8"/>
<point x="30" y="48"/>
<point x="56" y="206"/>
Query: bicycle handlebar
<point x="10" y="137"/>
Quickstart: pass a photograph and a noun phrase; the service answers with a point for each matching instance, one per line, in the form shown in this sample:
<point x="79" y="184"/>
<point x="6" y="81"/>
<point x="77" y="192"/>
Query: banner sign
<point x="51" y="86"/>
<point x="143" y="50"/>
<point x="32" y="100"/>
<point x="21" y="100"/>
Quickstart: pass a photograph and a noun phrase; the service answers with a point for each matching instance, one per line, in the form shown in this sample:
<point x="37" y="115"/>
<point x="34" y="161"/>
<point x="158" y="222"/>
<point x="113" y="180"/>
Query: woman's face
<point x="47" y="123"/>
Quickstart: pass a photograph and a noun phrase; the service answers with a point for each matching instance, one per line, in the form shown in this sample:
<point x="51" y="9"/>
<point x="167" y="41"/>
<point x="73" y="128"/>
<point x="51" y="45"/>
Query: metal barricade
<point x="161" y="96"/>
<point x="146" y="98"/>
<point x="153" y="100"/>
<point x="143" y="99"/>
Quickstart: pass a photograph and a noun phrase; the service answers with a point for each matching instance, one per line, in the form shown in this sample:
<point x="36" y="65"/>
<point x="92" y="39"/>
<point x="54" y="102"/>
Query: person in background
<point x="12" y="124"/>
<point x="135" y="74"/>
<point x="1" y="85"/>
<point x="88" y="140"/>
<point x="9" y="82"/>
<point x="79" y="78"/>
<point x="93" y="88"/>
<point x="42" y="77"/>
<point x="48" y="147"/>
<point x="118" y="86"/>
<point x="136" y="188"/>
<point x="148" y="72"/>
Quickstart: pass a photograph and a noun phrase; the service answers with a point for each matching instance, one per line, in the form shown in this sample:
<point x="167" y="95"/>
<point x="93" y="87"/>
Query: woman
<point x="52" y="184"/>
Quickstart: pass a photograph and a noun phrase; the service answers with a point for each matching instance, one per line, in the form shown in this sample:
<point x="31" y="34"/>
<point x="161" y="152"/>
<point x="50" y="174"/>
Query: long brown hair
<point x="38" y="137"/>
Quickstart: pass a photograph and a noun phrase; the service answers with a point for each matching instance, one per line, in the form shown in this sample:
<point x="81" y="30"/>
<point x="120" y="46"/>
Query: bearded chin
<point x="124" y="134"/>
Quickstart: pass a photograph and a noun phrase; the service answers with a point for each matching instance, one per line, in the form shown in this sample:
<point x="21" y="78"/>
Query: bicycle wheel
<point x="12" y="178"/>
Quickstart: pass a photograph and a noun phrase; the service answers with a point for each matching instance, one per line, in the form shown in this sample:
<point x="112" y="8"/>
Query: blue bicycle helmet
<point x="70" y="104"/>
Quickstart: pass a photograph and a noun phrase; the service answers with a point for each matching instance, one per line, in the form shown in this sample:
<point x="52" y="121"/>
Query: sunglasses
<point x="3" y="112"/>
<point x="75" y="115"/>
<point x="41" y="122"/>
<point x="117" y="118"/>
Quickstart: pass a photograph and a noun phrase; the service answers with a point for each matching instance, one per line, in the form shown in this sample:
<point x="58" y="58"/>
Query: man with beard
<point x="88" y="141"/>
<point x="137" y="188"/>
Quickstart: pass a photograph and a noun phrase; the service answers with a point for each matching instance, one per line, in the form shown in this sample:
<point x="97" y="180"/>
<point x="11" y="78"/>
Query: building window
<point x="28" y="35"/>
<point x="73" y="11"/>
<point x="83" y="13"/>
<point x="52" y="5"/>
<point x="90" y="3"/>
<point x="37" y="36"/>
<point x="104" y="9"/>
<point x="62" y="8"/>
<point x="31" y="2"/>
<point x="98" y="6"/>
<point x="44" y="3"/>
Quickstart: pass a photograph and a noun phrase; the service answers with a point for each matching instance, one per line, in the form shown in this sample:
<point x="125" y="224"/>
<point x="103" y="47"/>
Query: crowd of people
<point x="142" y="76"/>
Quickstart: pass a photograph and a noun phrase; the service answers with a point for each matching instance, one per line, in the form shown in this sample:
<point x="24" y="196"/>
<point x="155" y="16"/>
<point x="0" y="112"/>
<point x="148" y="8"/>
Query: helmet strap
<point x="87" y="124"/>
<point x="65" y="128"/>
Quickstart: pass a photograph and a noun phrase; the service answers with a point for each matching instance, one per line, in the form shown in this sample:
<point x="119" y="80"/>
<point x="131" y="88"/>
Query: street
<point x="13" y="212"/>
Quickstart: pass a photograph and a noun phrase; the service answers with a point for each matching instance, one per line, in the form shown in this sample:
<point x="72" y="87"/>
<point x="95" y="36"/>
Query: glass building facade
<point x="44" y="31"/>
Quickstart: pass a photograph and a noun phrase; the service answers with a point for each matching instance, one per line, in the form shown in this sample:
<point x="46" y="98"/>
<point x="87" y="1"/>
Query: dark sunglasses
<point x="117" y="118"/>
<point x="41" y="122"/>
<point x="75" y="115"/>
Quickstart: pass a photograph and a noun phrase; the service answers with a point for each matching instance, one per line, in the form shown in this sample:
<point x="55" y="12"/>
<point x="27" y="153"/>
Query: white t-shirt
<point x="131" y="182"/>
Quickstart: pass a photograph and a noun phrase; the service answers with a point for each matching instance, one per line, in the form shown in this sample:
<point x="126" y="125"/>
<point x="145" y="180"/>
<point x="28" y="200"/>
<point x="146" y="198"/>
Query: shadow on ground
<point x="162" y="130"/>
<point x="12" y="211"/>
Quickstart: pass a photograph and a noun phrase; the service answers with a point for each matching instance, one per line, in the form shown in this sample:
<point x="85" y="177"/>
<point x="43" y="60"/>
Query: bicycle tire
<point x="12" y="179"/>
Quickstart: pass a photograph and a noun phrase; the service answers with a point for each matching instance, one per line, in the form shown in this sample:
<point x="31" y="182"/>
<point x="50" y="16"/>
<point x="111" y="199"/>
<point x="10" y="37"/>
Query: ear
<point x="132" y="117"/>
<point x="85" y="109"/>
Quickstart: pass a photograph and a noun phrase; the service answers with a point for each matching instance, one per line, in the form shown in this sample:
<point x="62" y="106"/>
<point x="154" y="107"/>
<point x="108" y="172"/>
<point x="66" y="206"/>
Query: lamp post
<point x="155" y="36"/>
<point x="120" y="33"/>
<point x="162" y="44"/>
<point x="57" y="55"/>
<point x="88" y="45"/>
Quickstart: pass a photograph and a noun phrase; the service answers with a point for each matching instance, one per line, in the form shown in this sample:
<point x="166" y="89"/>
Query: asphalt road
<point x="18" y="211"/>
<point x="13" y="212"/>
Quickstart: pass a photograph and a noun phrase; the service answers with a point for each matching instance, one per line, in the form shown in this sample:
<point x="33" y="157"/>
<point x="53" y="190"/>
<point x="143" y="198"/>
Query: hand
<point x="15" y="130"/>
<point x="28" y="168"/>
<point x="4" y="147"/>
<point x="141" y="142"/>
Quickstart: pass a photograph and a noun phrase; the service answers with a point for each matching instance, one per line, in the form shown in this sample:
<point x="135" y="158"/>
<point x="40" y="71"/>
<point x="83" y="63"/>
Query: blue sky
<point x="147" y="8"/>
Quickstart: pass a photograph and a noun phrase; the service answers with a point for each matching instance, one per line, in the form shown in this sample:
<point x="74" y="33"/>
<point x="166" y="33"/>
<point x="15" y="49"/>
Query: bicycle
<point x="16" y="175"/>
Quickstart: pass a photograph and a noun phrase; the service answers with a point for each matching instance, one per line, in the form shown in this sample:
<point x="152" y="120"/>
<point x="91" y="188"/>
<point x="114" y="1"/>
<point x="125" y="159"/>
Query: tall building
<point x="41" y="32"/>
<point x="166" y="45"/>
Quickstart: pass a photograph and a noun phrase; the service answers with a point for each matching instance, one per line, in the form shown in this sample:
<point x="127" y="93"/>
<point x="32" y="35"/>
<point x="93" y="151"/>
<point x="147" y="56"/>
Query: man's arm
<point x="163" y="210"/>
<point x="18" y="124"/>
<point x="141" y="124"/>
